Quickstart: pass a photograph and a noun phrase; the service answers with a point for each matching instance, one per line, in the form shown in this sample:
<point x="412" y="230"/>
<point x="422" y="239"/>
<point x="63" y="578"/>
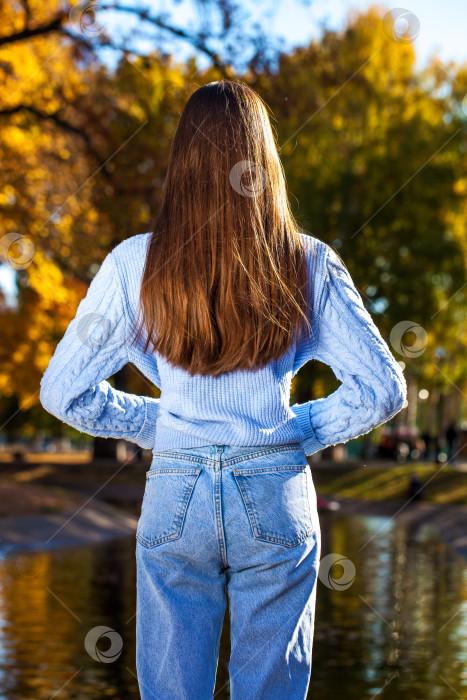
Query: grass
<point x="440" y="483"/>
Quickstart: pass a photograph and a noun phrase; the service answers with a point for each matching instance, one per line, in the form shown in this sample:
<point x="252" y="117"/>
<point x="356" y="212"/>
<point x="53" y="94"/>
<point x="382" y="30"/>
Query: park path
<point x="90" y="523"/>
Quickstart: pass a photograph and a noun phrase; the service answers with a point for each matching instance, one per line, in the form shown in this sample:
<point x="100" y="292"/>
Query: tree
<point x="373" y="152"/>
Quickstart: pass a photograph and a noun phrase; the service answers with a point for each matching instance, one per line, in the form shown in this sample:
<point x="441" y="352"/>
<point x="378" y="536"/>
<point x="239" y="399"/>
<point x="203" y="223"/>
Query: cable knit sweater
<point x="242" y="407"/>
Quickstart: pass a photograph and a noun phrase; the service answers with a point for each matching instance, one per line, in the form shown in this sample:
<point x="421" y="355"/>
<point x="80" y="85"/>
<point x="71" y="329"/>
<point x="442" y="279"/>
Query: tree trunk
<point x="412" y="398"/>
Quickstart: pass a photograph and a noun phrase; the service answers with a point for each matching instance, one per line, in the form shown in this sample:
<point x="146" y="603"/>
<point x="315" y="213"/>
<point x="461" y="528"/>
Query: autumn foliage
<point x="373" y="150"/>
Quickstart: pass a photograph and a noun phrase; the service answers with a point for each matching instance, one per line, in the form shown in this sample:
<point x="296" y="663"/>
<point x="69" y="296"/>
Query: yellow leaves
<point x="48" y="169"/>
<point x="4" y="199"/>
<point x="288" y="148"/>
<point x="92" y="215"/>
<point x="43" y="347"/>
<point x="338" y="122"/>
<point x="30" y="334"/>
<point x="145" y="212"/>
<point x="65" y="222"/>
<point x="52" y="106"/>
<point x="38" y="173"/>
<point x="17" y="137"/>
<point x="319" y="389"/>
<point x="137" y="111"/>
<point x="9" y="190"/>
<point x="18" y="355"/>
<point x="460" y="187"/>
<point x="45" y="276"/>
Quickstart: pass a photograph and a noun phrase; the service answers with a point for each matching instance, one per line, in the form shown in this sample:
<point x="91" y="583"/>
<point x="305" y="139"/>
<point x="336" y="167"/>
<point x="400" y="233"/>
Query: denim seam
<point x="276" y="468"/>
<point x="171" y="470"/>
<point x="231" y="460"/>
<point x="189" y="458"/>
<point x="218" y="512"/>
<point x="170" y="532"/>
<point x="308" y="475"/>
<point x="178" y="521"/>
<point x="249" y="505"/>
<point x="246" y="504"/>
<point x="252" y="455"/>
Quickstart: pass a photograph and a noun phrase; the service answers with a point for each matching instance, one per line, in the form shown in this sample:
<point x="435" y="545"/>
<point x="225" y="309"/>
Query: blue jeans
<point x="221" y="521"/>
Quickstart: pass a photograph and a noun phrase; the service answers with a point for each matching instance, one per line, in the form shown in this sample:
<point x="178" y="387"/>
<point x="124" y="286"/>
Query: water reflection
<point x="398" y="630"/>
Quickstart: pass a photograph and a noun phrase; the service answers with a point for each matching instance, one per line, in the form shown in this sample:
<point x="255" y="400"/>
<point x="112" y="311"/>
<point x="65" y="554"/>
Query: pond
<point x="391" y="618"/>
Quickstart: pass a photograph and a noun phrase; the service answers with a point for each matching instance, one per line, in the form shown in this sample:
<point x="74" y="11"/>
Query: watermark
<point x="401" y="26"/>
<point x="257" y="182"/>
<point x="95" y="635"/>
<point x="16" y="250"/>
<point x="464" y="105"/>
<point x="330" y="580"/>
<point x="82" y="17"/>
<point x="404" y="332"/>
<point x="24" y="563"/>
<point x="97" y="332"/>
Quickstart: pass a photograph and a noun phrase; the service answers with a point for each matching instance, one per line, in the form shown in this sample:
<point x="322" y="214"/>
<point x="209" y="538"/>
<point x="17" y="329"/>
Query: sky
<point x="442" y="24"/>
<point x="442" y="29"/>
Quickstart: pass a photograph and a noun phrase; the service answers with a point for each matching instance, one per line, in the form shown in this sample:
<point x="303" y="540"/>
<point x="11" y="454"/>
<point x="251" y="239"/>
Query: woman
<point x="220" y="306"/>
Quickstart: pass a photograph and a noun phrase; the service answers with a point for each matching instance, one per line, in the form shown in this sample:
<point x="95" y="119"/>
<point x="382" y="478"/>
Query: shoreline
<point x="449" y="520"/>
<point x="90" y="523"/>
<point x="98" y="521"/>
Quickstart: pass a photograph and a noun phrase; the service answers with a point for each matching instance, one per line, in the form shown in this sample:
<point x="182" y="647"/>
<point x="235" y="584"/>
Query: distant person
<point x="414" y="487"/>
<point x="436" y="442"/>
<point x="386" y="447"/>
<point x="452" y="440"/>
<point x="367" y="450"/>
<point x="402" y="451"/>
<point x="234" y="299"/>
<point x="417" y="449"/>
<point x="426" y="437"/>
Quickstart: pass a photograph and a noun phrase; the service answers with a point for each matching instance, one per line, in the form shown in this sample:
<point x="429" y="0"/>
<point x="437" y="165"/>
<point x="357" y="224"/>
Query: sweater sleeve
<point x="74" y="387"/>
<point x="373" y="388"/>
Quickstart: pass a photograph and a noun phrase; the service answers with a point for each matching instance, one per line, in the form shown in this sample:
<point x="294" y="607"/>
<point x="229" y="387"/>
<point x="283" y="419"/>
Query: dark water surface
<point x="394" y="625"/>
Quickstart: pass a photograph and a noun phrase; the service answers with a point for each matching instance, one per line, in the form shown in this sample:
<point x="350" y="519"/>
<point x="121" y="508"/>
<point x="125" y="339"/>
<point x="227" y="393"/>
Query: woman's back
<point x="241" y="407"/>
<point x="224" y="282"/>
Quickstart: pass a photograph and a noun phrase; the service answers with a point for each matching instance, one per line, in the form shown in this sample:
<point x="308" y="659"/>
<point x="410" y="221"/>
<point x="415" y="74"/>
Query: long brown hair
<point x="225" y="281"/>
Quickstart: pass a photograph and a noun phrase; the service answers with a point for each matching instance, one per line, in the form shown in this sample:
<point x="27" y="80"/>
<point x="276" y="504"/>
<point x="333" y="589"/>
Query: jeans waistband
<point x="227" y="454"/>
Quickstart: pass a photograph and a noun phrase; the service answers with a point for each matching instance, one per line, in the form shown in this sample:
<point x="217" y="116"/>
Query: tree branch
<point x="58" y="23"/>
<point x="194" y="40"/>
<point x="29" y="32"/>
<point x="55" y="117"/>
<point x="27" y="10"/>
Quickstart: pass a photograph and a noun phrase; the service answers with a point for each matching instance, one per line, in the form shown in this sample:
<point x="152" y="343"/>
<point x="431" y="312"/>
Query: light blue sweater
<point x="238" y="408"/>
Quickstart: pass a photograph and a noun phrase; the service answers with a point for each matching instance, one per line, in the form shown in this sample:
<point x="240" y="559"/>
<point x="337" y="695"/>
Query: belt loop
<point x="219" y="451"/>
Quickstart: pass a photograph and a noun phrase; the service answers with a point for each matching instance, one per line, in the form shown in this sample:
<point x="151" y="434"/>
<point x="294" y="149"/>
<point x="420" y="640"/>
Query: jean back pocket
<point x="277" y="502"/>
<point x="165" y="503"/>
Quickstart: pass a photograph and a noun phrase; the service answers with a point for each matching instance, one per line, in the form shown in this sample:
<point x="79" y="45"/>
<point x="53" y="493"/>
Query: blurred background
<point x="370" y="113"/>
